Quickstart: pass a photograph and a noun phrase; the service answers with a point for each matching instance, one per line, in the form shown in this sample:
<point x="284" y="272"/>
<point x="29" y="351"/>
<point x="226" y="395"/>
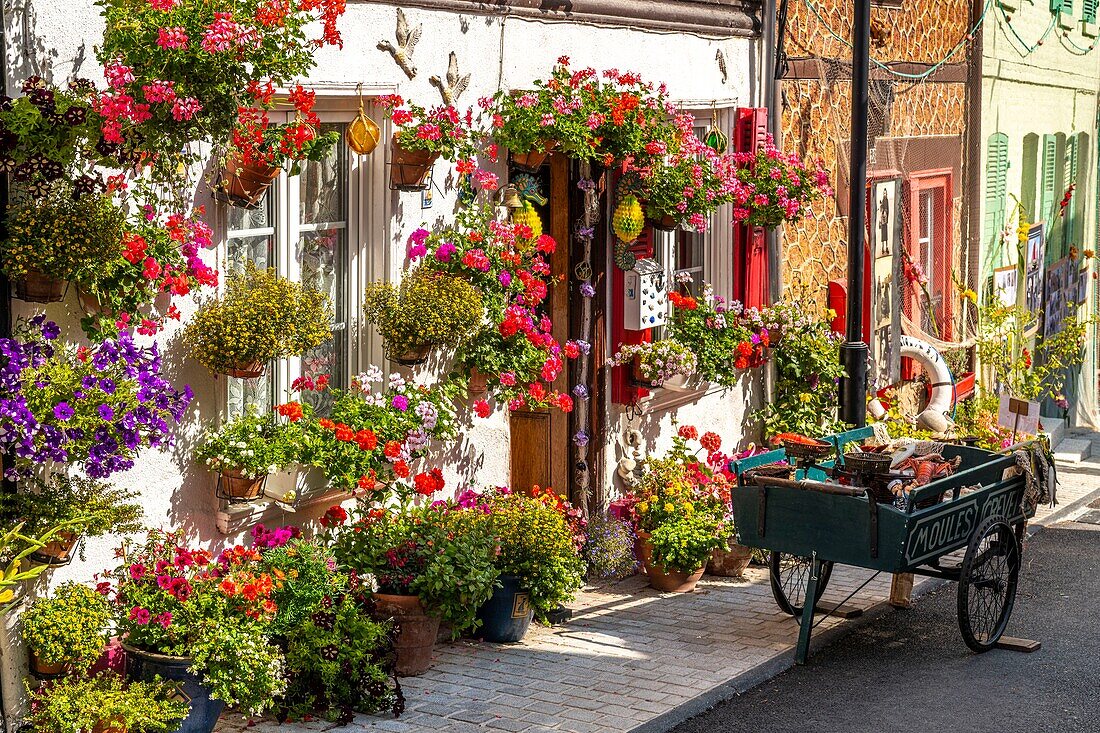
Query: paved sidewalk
<point x="631" y="658"/>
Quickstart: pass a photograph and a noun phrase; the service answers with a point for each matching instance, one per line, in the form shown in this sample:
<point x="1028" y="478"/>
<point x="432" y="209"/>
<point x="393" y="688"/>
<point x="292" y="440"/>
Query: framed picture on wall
<point x="1035" y="266"/>
<point x="1005" y="284"/>
<point x="885" y="222"/>
<point x="885" y="242"/>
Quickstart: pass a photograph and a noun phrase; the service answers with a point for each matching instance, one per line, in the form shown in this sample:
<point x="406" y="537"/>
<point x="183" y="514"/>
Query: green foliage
<point x="725" y="339"/>
<point x="685" y="543"/>
<point x="808" y="373"/>
<point x="424" y="551"/>
<point x="427" y="309"/>
<point x="88" y="506"/>
<point x="238" y="663"/>
<point x="1004" y="338"/>
<point x="260" y="317"/>
<point x="15" y="548"/>
<point x="977" y="417"/>
<point x="340" y="663"/>
<point x="304" y="575"/>
<point x="63" y="237"/>
<point x="83" y="703"/>
<point x="69" y="627"/>
<point x="254" y="444"/>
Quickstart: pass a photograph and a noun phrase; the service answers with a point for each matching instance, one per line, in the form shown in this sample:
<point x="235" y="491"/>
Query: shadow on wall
<point x="28" y="55"/>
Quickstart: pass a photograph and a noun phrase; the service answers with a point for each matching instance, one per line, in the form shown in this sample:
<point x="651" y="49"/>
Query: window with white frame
<point x="302" y="228"/>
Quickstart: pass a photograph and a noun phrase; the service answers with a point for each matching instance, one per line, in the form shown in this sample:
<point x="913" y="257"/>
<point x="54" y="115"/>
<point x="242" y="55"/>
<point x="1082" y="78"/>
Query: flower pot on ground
<point x="260" y="317"/>
<point x="671" y="580"/>
<point x="428" y="562"/>
<point x="244" y="184"/>
<point x="204" y="711"/>
<point x="37" y="287"/>
<point x="428" y="309"/>
<point x="729" y="563"/>
<point x="540" y="537"/>
<point x="643" y="550"/>
<point x="416" y="631"/>
<point x="508" y="613"/>
<point x="533" y="159"/>
<point x="105" y="704"/>
<point x="66" y="630"/>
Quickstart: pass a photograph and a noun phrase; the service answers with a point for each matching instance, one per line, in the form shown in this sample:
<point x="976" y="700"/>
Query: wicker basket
<point x="808" y="451"/>
<point x="867" y="463"/>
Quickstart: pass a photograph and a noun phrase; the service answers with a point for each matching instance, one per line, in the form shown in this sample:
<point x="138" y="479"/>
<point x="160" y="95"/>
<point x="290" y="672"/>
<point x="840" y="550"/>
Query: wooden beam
<point x="815" y="68"/>
<point x="723" y="18"/>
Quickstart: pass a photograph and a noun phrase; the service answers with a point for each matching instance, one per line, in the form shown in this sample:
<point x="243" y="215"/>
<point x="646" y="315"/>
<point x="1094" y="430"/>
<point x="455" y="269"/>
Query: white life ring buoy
<point x="935" y="416"/>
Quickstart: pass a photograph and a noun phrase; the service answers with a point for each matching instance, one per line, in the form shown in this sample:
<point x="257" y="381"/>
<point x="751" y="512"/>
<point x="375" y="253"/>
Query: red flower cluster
<point x="291" y="411"/>
<point x="335" y="516"/>
<point x="429" y="482"/>
<point x="680" y="300"/>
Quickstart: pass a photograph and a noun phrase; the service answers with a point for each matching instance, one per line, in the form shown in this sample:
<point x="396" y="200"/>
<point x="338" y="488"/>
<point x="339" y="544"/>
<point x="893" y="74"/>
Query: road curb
<point x="784" y="660"/>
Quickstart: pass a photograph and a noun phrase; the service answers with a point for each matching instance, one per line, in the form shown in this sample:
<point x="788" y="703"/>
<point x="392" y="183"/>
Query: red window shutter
<point x="750" y="250"/>
<point x="623" y="392"/>
<point x="837" y="298"/>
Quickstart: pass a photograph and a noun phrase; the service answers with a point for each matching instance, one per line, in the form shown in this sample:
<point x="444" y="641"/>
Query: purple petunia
<point x="106" y="412"/>
<point x="62" y="411"/>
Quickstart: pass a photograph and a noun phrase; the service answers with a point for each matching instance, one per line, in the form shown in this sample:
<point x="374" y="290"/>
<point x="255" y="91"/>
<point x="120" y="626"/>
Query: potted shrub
<point x="775" y="187"/>
<point x="199" y="621"/>
<point x="421" y="137"/>
<point x="261" y="149"/>
<point x="105" y="704"/>
<point x="428" y="309"/>
<point x="189" y="66"/>
<point x="539" y="538"/>
<point x="652" y="363"/>
<point x="260" y="317"/>
<point x="85" y="507"/>
<point x="428" y="567"/>
<point x="66" y="631"/>
<point x="91" y="406"/>
<point x="244" y="452"/>
<point x="680" y="511"/>
<point x="59" y="238"/>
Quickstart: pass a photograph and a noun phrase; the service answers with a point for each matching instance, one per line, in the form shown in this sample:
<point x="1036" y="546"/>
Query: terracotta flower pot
<point x="250" y="370"/>
<point x="643" y="550"/>
<point x="90" y="303"/>
<point x="665" y="224"/>
<point x="41" y="670"/>
<point x="111" y="725"/>
<point x="244" y="184"/>
<point x="417" y="631"/>
<point x="533" y="159"/>
<point x="730" y="563"/>
<point x="409" y="168"/>
<point x="639" y="379"/>
<point x="37" y="287"/>
<point x="59" y="551"/>
<point x="235" y="485"/>
<point x="479" y="383"/>
<point x="668" y="580"/>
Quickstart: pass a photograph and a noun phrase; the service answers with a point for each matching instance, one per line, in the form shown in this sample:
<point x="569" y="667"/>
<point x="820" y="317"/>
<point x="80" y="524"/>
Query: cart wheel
<point x="987" y="584"/>
<point x="789" y="574"/>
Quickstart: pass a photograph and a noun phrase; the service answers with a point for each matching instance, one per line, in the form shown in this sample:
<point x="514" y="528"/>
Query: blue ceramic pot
<point x="506" y="616"/>
<point x="205" y="711"/>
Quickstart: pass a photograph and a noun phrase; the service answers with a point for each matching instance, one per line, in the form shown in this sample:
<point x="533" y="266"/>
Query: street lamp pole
<point x="853" y="353"/>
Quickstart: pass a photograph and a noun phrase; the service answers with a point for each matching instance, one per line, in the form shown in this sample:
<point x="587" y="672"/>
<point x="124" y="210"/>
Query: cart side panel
<point x="837" y="528"/>
<point x="947" y="527"/>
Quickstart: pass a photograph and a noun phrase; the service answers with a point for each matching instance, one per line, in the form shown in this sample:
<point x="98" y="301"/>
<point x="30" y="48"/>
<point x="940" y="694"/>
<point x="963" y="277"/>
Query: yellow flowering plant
<point x="260" y="317"/>
<point x="69" y="627"/>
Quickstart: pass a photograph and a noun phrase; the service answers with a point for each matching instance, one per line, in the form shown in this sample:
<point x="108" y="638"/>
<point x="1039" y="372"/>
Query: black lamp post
<point x="853" y="354"/>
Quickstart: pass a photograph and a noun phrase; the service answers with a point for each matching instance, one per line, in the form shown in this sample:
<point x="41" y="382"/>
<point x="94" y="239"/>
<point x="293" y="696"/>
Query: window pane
<point x="258" y="250"/>
<point x="261" y="217"/>
<point x="321" y="259"/>
<point x="255" y="393"/>
<point x="324" y="185"/>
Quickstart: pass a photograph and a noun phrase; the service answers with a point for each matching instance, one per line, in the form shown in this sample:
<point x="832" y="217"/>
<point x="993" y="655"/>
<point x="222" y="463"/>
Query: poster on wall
<point x="1063" y="294"/>
<point x="1035" y="261"/>
<point x="1005" y="281"/>
<point x="885" y="224"/>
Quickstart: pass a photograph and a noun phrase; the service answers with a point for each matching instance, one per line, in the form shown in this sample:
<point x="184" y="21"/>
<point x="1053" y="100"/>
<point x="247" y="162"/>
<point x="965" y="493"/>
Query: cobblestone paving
<point x="628" y="655"/>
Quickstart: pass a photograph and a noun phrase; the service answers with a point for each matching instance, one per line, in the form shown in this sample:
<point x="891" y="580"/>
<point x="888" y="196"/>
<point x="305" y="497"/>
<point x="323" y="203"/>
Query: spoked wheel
<point x="789" y="575"/>
<point x="987" y="584"/>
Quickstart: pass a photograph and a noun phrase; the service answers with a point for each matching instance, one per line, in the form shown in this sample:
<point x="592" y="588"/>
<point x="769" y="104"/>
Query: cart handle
<point x="806" y="485"/>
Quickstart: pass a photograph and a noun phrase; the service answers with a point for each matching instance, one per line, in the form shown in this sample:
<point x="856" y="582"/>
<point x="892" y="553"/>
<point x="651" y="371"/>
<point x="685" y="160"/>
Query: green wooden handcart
<point x="809" y="525"/>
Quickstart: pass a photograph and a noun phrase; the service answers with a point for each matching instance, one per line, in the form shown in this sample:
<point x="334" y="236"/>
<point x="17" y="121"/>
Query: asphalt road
<point x="910" y="671"/>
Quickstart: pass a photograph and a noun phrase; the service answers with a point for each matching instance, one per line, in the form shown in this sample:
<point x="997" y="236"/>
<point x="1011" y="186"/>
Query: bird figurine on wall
<point x="406" y="43"/>
<point x="456" y="84"/>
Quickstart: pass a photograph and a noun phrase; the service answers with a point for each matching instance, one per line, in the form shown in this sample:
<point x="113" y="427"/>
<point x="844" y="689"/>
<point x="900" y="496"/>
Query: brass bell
<point x="362" y="134"/>
<point x="509" y="198"/>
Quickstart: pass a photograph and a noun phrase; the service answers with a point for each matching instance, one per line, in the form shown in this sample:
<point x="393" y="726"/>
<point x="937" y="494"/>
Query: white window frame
<point x="368" y="256"/>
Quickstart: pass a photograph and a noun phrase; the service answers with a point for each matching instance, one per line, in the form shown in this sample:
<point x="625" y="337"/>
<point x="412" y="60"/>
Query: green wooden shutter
<point x="1061" y="6"/>
<point x="1088" y="11"/>
<point x="996" y="188"/>
<point x="1069" y="226"/>
<point x="1046" y="180"/>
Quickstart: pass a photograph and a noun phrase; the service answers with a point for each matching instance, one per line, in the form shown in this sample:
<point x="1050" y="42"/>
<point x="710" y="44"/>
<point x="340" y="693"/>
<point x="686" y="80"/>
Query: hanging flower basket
<point x="37" y="287"/>
<point x="639" y="379"/>
<point x="665" y="224"/>
<point x="479" y="383"/>
<point x="534" y="158"/>
<point x="59" y="552"/>
<point x="251" y="370"/>
<point x="234" y="486"/>
<point x="409" y="169"/>
<point x="44" y="671"/>
<point x="90" y="303"/>
<point x="244" y="184"/>
<point x="413" y="357"/>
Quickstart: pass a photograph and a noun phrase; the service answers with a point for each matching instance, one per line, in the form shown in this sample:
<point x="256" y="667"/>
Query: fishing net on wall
<point x="924" y="270"/>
